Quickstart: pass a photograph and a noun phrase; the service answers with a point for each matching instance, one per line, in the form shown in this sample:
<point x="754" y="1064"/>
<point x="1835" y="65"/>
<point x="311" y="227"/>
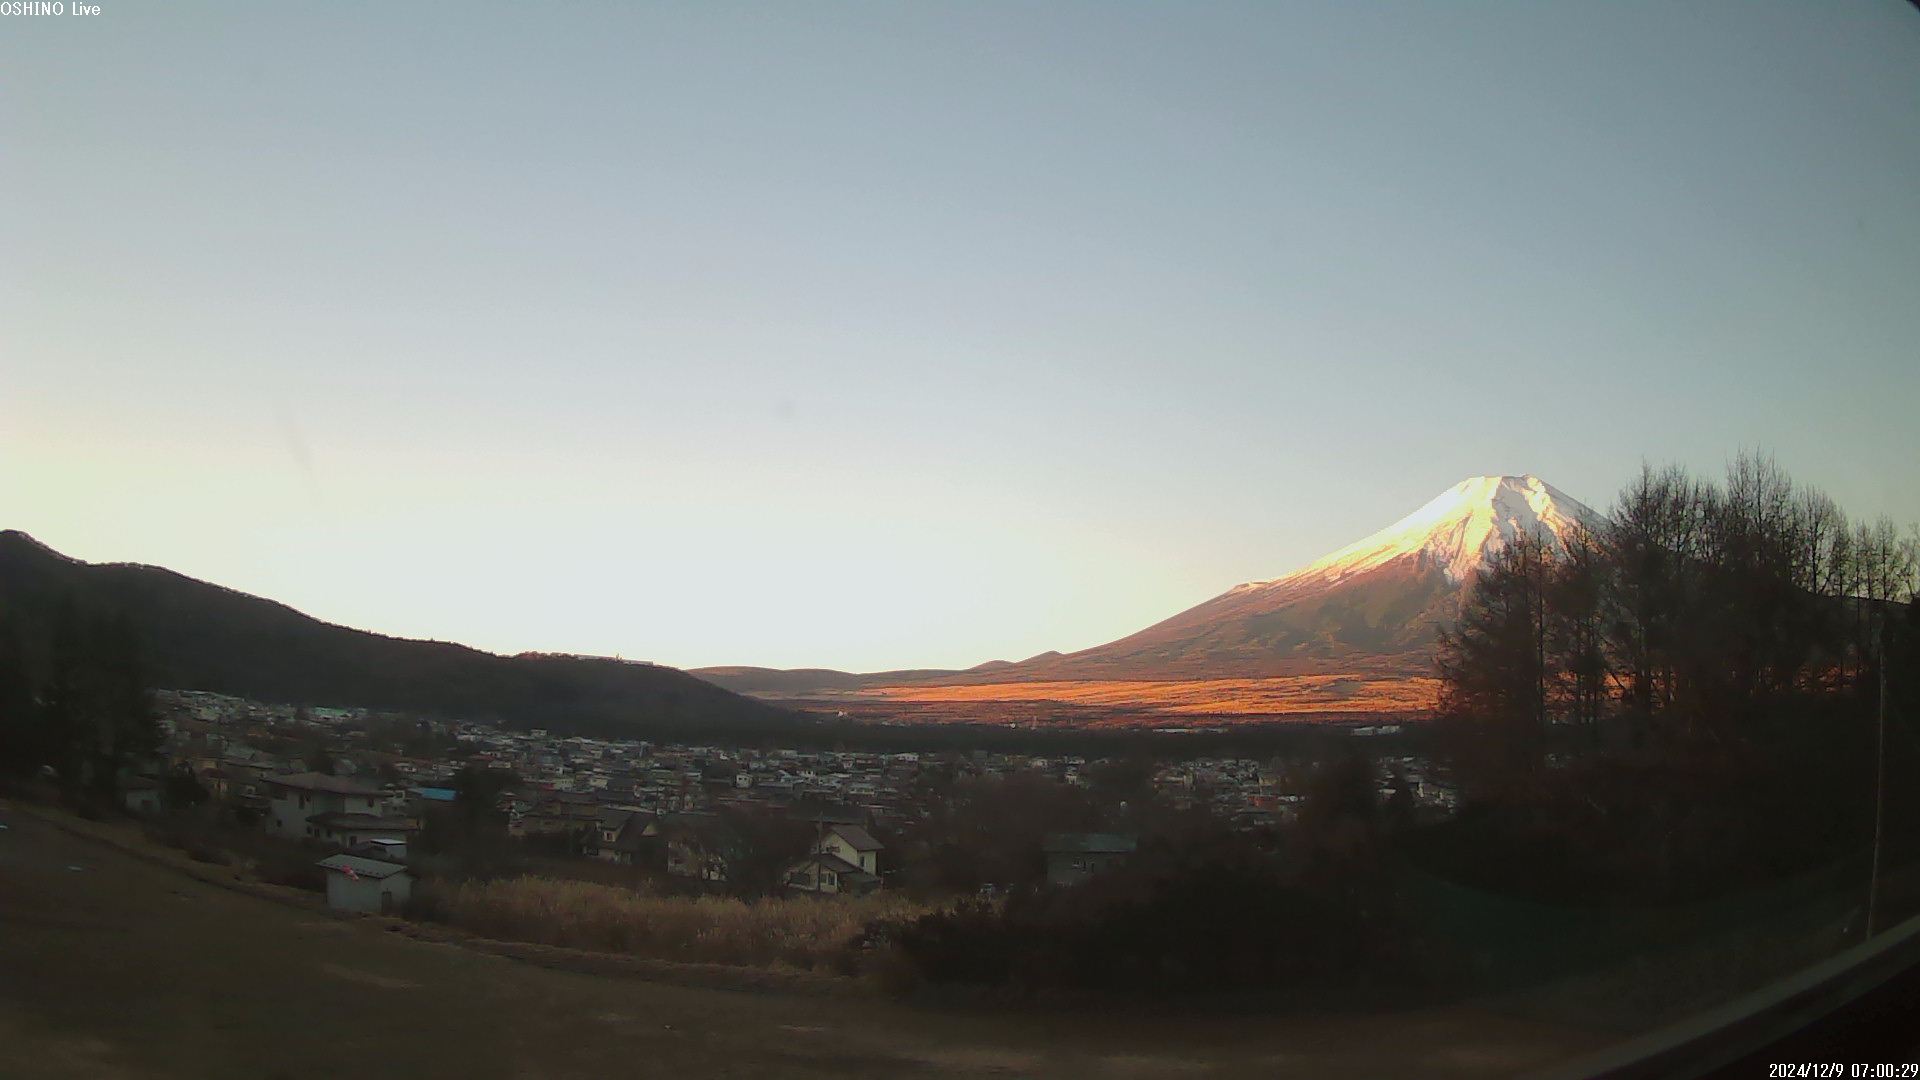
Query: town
<point x="363" y="784"/>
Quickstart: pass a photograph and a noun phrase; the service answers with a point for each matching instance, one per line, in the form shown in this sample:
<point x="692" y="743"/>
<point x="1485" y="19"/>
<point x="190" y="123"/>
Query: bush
<point x="1218" y="915"/>
<point x="973" y="944"/>
<point x="892" y="971"/>
<point x="207" y="853"/>
<point x="427" y="902"/>
<point x="293" y="872"/>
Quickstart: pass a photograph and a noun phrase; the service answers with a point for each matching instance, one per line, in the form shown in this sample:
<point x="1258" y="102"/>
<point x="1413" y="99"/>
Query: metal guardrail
<point x="1749" y="1024"/>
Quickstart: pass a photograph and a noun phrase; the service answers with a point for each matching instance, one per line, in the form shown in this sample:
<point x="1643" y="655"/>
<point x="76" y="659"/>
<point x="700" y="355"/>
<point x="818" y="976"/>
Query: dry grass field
<point x="1347" y="698"/>
<point x="1295" y="695"/>
<point x="800" y="932"/>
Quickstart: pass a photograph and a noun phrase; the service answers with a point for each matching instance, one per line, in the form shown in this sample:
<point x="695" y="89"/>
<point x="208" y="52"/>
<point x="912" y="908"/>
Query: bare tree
<point x="1493" y="670"/>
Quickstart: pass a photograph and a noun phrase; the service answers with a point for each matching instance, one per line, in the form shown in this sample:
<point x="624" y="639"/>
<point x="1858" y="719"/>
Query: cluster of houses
<point x="667" y="779"/>
<point x="672" y="807"/>
<point x="702" y="846"/>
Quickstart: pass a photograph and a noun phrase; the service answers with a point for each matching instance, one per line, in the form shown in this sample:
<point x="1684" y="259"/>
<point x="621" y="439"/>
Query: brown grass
<point x="1281" y="696"/>
<point x="802" y="932"/>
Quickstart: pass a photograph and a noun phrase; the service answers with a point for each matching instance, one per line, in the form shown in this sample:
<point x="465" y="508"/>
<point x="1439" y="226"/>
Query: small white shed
<point x="381" y="850"/>
<point x="358" y="884"/>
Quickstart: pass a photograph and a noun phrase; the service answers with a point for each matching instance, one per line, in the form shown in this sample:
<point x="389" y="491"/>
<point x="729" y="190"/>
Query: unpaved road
<point x="113" y="967"/>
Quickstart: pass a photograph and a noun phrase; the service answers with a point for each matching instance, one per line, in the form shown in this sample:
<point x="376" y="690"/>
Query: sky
<point x="889" y="335"/>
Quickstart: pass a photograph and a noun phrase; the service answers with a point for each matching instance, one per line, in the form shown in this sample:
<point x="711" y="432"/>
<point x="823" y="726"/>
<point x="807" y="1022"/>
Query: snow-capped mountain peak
<point x="1377" y="603"/>
<point x="1457" y="530"/>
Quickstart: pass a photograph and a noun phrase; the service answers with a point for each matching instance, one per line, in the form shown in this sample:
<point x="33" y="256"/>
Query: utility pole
<point x="1879" y="783"/>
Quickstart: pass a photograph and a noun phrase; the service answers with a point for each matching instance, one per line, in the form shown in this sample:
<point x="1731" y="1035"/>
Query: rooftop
<point x="856" y="837"/>
<point x="332" y="785"/>
<point x="840" y="866"/>
<point x="360" y="867"/>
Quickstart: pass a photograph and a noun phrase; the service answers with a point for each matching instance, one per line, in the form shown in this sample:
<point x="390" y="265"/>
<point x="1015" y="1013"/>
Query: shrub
<point x="293" y="871"/>
<point x="1218" y="915"/>
<point x="893" y="971"/>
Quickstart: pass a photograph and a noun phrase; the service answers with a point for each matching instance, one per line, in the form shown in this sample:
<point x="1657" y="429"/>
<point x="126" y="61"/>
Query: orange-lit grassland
<point x="1129" y="702"/>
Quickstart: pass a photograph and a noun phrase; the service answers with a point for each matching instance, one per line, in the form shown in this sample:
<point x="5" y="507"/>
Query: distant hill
<point x="777" y="681"/>
<point x="204" y="637"/>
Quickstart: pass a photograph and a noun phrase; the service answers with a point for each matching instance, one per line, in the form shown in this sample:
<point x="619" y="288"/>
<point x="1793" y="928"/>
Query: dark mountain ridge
<point x="200" y="636"/>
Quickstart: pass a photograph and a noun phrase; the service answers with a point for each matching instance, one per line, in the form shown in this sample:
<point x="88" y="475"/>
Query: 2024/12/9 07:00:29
<point x="1832" y="1069"/>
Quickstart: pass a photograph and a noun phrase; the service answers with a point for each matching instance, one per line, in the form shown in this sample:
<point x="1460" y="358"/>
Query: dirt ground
<point x="114" y="967"/>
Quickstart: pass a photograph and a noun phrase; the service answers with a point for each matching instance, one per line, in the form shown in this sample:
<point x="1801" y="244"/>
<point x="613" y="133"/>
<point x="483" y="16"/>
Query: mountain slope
<point x="1374" y="604"/>
<point x="205" y="637"/>
<point x="774" y="682"/>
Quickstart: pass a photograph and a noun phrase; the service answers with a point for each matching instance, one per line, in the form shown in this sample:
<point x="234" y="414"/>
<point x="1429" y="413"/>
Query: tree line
<point x="1694" y="680"/>
<point x="87" y="713"/>
<point x="1669" y="718"/>
<point x="1706" y="606"/>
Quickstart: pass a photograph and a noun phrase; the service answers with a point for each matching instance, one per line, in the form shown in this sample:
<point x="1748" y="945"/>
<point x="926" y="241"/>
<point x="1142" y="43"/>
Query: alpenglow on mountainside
<point x="1377" y="602"/>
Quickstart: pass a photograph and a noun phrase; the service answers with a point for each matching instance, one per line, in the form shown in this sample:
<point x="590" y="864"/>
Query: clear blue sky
<point x="900" y="334"/>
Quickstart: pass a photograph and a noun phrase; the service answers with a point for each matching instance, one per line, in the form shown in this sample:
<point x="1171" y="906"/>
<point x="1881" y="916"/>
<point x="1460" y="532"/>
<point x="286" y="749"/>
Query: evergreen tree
<point x="98" y="718"/>
<point x="22" y="731"/>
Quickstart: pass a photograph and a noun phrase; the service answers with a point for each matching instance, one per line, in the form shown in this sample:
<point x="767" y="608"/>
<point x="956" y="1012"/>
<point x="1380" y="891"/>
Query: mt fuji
<point x="1369" y="611"/>
<point x="1379" y="599"/>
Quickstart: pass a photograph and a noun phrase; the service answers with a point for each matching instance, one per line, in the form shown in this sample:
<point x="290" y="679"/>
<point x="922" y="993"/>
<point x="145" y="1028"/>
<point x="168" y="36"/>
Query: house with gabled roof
<point x="623" y="833"/>
<point x="636" y="844"/>
<point x="821" y="873"/>
<point x="853" y="844"/>
<point x="845" y="859"/>
<point x="294" y="799"/>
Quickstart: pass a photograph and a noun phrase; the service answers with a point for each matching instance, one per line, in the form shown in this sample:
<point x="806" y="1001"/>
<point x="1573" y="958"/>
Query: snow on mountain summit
<point x="1456" y="531"/>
